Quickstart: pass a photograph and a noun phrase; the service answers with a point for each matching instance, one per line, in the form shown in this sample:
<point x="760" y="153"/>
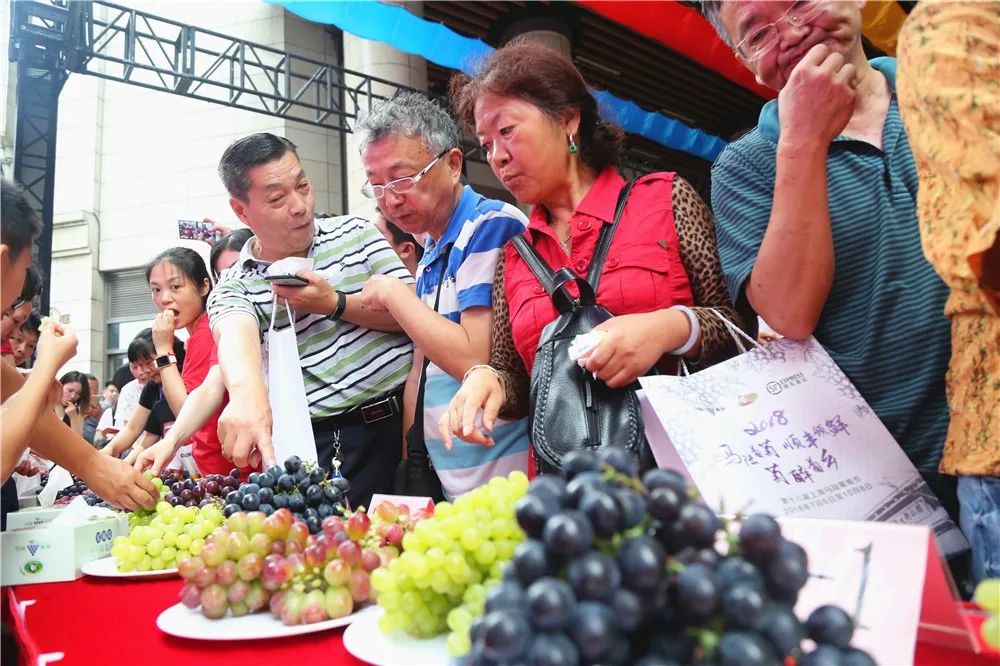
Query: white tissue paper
<point x="584" y="343"/>
<point x="59" y="478"/>
<point x="290" y="266"/>
<point x="331" y="275"/>
<point x="78" y="512"/>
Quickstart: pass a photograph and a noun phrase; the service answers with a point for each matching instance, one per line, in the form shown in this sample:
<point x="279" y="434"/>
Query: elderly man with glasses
<point x="353" y="361"/>
<point x="409" y="146"/>
<point x="817" y="221"/>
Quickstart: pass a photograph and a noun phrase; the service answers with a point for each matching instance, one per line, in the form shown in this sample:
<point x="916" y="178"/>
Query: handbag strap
<point x="555" y="283"/>
<point x="607" y="233"/>
<point x="419" y="412"/>
<point x="274" y="312"/>
<point x="735" y="332"/>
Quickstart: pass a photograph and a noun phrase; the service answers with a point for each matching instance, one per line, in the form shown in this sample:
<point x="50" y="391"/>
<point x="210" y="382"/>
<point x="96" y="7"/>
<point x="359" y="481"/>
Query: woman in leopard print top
<point x="529" y="105"/>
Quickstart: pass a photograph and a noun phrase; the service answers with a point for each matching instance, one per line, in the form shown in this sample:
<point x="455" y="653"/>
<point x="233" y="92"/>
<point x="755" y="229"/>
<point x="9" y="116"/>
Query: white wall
<point x="132" y="161"/>
<point x="8" y="82"/>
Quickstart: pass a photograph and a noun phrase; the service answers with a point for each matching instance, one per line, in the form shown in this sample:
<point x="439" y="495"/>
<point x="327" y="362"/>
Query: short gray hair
<point x="712" y="11"/>
<point x="409" y="114"/>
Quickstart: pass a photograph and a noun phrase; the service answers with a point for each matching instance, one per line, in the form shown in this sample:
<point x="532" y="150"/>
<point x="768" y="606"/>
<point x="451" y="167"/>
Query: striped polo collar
<point x="249" y="262"/>
<point x="464" y="211"/>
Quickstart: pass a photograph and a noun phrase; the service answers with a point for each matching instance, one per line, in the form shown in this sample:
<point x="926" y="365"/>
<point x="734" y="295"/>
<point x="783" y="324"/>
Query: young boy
<point x="27" y="403"/>
<point x="26" y="339"/>
<point x="40" y="391"/>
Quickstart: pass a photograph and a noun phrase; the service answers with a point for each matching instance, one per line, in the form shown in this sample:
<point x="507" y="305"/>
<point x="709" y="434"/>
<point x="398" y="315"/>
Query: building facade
<point x="132" y="161"/>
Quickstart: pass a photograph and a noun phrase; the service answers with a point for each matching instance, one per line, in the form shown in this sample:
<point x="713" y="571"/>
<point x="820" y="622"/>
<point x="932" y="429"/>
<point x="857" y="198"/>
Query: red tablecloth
<point x="114" y="622"/>
<point x="97" y="621"/>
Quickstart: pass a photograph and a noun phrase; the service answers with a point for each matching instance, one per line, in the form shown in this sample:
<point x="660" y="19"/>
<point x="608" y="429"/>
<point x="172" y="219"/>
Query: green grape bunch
<point x="449" y="561"/>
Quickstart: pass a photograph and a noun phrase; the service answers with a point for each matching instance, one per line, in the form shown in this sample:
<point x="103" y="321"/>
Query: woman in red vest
<point x="544" y="138"/>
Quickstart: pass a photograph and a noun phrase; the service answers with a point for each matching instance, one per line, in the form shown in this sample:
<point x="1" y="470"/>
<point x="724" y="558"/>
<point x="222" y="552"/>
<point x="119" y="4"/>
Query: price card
<point x="890" y="578"/>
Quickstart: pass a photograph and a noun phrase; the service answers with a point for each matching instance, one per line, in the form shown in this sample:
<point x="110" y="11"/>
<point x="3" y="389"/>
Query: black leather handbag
<point x="570" y="410"/>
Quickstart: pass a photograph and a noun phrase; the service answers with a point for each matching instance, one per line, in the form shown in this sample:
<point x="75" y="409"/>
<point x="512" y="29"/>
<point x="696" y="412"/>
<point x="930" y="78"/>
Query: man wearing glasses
<point x="449" y="317"/>
<point x="816" y="214"/>
<point x="353" y="361"/>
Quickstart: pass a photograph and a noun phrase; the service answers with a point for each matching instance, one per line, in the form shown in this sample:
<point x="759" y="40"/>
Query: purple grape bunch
<point x="306" y="490"/>
<point x="621" y="570"/>
<point x="186" y="491"/>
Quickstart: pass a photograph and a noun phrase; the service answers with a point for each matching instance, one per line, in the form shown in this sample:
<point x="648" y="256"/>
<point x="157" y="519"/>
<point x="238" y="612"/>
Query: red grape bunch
<point x="198" y="492"/>
<point x="329" y="579"/>
<point x="391" y="523"/>
<point x="255" y="561"/>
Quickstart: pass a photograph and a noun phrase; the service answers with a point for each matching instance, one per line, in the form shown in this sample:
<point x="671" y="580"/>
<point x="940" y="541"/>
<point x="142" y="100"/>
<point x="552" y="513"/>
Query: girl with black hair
<point x="179" y="284"/>
<point x="76" y="392"/>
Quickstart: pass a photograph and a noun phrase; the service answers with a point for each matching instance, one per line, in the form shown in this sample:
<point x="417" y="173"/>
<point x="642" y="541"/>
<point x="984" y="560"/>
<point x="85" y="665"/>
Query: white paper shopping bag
<point x="780" y="429"/>
<point x="291" y="428"/>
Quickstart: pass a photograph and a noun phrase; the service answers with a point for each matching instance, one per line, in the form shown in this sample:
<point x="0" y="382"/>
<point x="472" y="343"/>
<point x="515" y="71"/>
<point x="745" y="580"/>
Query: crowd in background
<point x="862" y="215"/>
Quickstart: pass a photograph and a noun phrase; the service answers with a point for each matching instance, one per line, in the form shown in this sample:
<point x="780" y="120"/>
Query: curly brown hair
<point x="549" y="81"/>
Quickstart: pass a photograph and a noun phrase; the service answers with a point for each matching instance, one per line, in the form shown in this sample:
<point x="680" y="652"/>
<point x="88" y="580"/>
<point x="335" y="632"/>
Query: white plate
<point x="181" y="621"/>
<point x="365" y="640"/>
<point x="106" y="567"/>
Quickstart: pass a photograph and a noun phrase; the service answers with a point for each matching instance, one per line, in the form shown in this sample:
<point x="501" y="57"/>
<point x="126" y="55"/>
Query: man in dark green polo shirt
<point x="816" y="213"/>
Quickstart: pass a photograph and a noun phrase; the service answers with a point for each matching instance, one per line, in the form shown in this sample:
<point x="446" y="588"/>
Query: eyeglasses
<point x="18" y="303"/>
<point x="400" y="185"/>
<point x="761" y="40"/>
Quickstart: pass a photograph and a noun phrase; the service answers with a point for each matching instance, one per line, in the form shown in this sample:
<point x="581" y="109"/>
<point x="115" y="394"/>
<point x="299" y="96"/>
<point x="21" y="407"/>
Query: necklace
<point x="566" y="243"/>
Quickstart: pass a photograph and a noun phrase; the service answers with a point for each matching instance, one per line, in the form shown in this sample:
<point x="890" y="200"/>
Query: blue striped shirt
<point x="883" y="322"/>
<point x="477" y="231"/>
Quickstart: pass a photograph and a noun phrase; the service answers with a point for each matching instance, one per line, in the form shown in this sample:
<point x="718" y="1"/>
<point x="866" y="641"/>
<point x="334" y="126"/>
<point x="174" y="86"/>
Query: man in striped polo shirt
<point x="409" y="146"/>
<point x="354" y="361"/>
<point x="816" y="214"/>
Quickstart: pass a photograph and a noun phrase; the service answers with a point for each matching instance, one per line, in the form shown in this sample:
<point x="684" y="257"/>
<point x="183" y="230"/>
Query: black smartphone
<point x="287" y="280"/>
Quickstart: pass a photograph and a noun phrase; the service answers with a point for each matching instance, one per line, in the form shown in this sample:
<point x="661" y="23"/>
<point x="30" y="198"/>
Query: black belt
<point x="370" y="412"/>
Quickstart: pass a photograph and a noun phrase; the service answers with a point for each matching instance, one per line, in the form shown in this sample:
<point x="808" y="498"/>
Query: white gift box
<point x="51" y="545"/>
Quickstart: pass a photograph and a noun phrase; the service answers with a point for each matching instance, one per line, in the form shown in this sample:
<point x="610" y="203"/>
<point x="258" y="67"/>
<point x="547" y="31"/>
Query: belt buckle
<point x="377" y="411"/>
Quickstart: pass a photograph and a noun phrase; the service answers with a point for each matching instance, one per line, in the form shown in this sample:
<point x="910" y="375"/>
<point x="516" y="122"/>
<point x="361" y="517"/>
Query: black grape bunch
<point x="622" y="570"/>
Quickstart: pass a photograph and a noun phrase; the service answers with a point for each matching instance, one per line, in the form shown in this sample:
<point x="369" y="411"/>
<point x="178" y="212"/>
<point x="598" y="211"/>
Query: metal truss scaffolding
<point x="51" y="40"/>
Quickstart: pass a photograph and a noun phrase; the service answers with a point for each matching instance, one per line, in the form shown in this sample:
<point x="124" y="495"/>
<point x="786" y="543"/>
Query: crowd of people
<point x="861" y="210"/>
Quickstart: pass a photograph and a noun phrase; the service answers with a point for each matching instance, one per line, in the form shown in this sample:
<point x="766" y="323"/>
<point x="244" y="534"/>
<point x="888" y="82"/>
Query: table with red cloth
<point x="103" y="621"/>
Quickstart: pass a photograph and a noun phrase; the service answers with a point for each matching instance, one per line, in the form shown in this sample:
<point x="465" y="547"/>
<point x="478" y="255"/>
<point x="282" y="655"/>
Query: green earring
<point x="573" y="150"/>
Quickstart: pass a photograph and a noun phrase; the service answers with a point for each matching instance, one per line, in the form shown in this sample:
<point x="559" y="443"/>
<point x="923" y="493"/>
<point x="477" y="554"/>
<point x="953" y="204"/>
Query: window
<point x="129" y="310"/>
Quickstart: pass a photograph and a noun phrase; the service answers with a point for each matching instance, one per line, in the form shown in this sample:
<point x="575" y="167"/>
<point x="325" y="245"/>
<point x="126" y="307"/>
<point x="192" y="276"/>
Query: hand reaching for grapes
<point x="119" y="484"/>
<point x="245" y="432"/>
<point x="481" y="391"/>
<point x="133" y="454"/>
<point x="155" y="457"/>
